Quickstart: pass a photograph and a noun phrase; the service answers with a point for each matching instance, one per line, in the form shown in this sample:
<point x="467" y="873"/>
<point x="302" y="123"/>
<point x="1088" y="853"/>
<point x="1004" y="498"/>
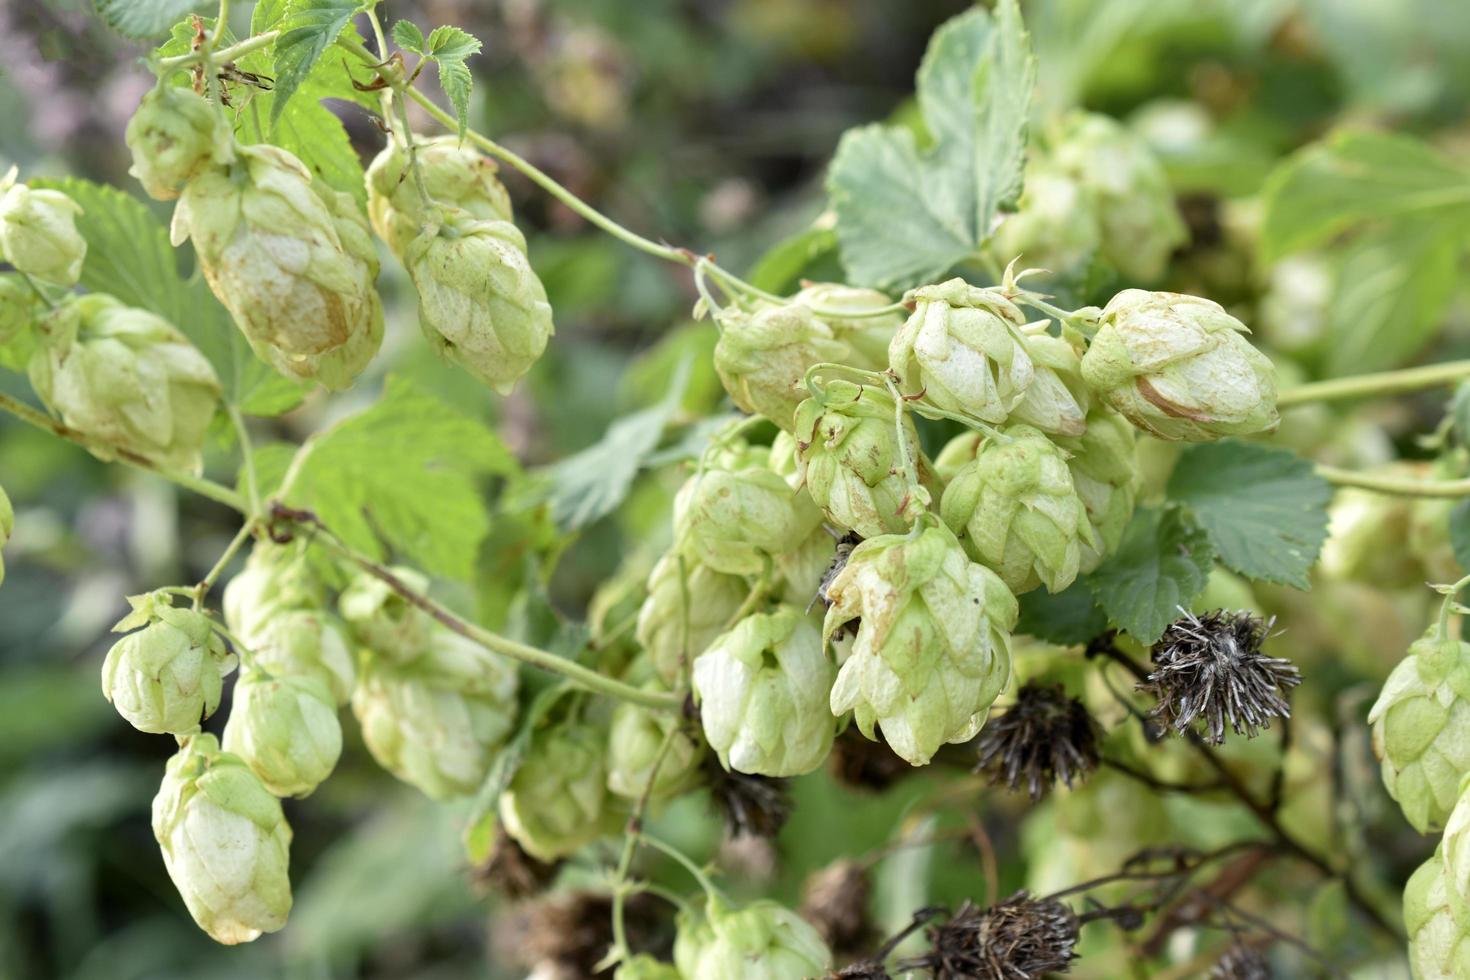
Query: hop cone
<point x="867" y="337"/>
<point x="454" y="174"/>
<point x="762" y="941"/>
<point x="286" y="730"/>
<point x="1056" y="401"/>
<point x="167" y="676"/>
<point x="38" y="232"/>
<point x="311" y="645"/>
<point x="1056" y="226"/>
<point x="383" y="620"/>
<point x="762" y="358"/>
<point x="17" y="310"/>
<point x="635" y="741"/>
<point x="173" y="135"/>
<point x="1438" y="923"/>
<point x="1104" y="471"/>
<point x="555" y="802"/>
<point x="688" y="605"/>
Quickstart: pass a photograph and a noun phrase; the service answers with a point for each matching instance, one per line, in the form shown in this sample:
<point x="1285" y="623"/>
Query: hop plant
<point x="688" y="605"/>
<point x="1179" y="367"/>
<point x="287" y="262"/>
<point x="167" y="676"/>
<point x="932" y="650"/>
<point x="17" y="308"/>
<point x="635" y="745"/>
<point x="556" y="801"/>
<point x="762" y="693"/>
<point x="173" y="135"/>
<point x="480" y="303"/>
<point x="851" y="461"/>
<point x="1015" y="509"/>
<point x="1421" y="729"/>
<point x="1056" y="225"/>
<point x="276" y="579"/>
<point x="850" y="313"/>
<point x="285" y="729"/>
<point x="737" y="515"/>
<point x="761" y="941"/>
<point x="382" y="619"/>
<point x="962" y="350"/>
<point x="437" y="723"/>
<point x="1103" y="464"/>
<point x="308" y="644"/>
<point x="1057" y="399"/>
<point x="127" y="379"/>
<point x="454" y="174"/>
<point x="225" y="842"/>
<point x="1438" y="923"/>
<point x="763" y="358"/>
<point x="38" y="232"/>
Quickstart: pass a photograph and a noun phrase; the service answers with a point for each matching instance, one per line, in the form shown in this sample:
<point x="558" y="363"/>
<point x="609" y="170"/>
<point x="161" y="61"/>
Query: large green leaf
<point x="146" y="18"/>
<point x="1068" y="617"/>
<point x="1160" y="566"/>
<point x="308" y="28"/>
<point x="904" y="214"/>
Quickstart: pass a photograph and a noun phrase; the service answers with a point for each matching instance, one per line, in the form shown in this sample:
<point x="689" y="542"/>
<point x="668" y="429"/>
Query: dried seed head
<point x="1043" y="737"/>
<point x="863" y="764"/>
<point x="835" y="901"/>
<point x="568" y="934"/>
<point x="512" y="873"/>
<point x="751" y="805"/>
<point x="1210" y="669"/>
<point x="1241" y="962"/>
<point x="845" y="544"/>
<point x="1020" y="938"/>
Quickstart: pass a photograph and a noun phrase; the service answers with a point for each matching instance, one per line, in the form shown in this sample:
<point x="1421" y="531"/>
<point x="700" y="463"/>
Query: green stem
<point x="1447" y="607"/>
<point x="247" y="458"/>
<point x="206" y="488"/>
<point x="36" y="288"/>
<point x="709" y="887"/>
<point x="236" y="543"/>
<point x="223" y="56"/>
<point x="621" y="886"/>
<point x="1383" y="383"/>
<point x="905" y="458"/>
<point x="1396" y="486"/>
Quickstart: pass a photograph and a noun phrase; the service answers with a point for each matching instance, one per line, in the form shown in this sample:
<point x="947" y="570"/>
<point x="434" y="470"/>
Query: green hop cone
<point x="383" y="619"/>
<point x="1429" y="525"/>
<point x="480" y="302"/>
<point x="1179" y="367"/>
<point x="127" y="379"/>
<point x="1015" y="509"/>
<point x="1105" y="476"/>
<point x="960" y="348"/>
<point x="1438" y="923"/>
<point x="173" y="135"/>
<point x="1056" y="226"/>
<point x="307" y="644"/>
<point x="645" y="967"/>
<point x="688" y="605"/>
<point x="867" y="336"/>
<point x="276" y="579"/>
<point x="1057" y="399"/>
<point x="556" y="800"/>
<point x="762" y="693"/>
<point x="225" y="842"/>
<point x="286" y="730"/>
<point x="851" y="462"/>
<point x="932" y="650"/>
<point x="7" y="527"/>
<point x="763" y="357"/>
<point x="761" y="941"/>
<point x="635" y="741"/>
<point x="1130" y="192"/>
<point x="437" y="723"/>
<point x="738" y="515"/>
<point x="1421" y="730"/>
<point x="167" y="676"/>
<point x="454" y="174"/>
<point x="38" y="232"/>
<point x="17" y="307"/>
<point x="287" y="261"/>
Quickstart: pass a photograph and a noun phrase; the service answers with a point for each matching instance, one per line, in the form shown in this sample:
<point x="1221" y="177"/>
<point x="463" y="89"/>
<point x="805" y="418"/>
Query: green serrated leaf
<point x="906" y="216"/>
<point x="449" y="47"/>
<point x="802" y="256"/>
<point x="400" y="477"/>
<point x="308" y="28"/>
<point x="1067" y="618"/>
<point x="452" y="43"/>
<point x="146" y="18"/>
<point x="1160" y="566"/>
<point x="406" y="35"/>
<point x="1264" y="509"/>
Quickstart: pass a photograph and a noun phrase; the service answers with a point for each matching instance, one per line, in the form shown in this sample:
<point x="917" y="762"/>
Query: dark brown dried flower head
<point x="1043" y="737"/>
<point x="845" y="544"/>
<point x="858" y="762"/>
<point x="568" y="934"/>
<point x="751" y="805"/>
<point x="1241" y="962"/>
<point x="1210" y="669"/>
<point x="1020" y="938"/>
<point x="835" y="901"/>
<point x="512" y="873"/>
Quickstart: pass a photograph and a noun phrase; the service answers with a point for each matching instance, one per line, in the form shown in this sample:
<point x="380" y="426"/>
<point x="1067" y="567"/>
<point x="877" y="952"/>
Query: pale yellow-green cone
<point x="1454" y="848"/>
<point x="645" y="967"/>
<point x="867" y="337"/>
<point x="1438" y="923"/>
<point x="38" y="233"/>
<point x="225" y="842"/>
<point x="1105" y="476"/>
<point x="273" y="251"/>
<point x="763" y="357"/>
<point x="1016" y="511"/>
<point x="1179" y="367"/>
<point x="933" y="647"/>
<point x="1429" y="524"/>
<point x="383" y="620"/>
<point x="1056" y="227"/>
<point x="480" y="303"/>
<point x="173" y="135"/>
<point x="1140" y="224"/>
<point x="851" y="462"/>
<point x="7" y="526"/>
<point x="635" y="738"/>
<point x="437" y="723"/>
<point x="455" y="175"/>
<point x="760" y="941"/>
<point x="1366" y="532"/>
<point x="127" y="379"/>
<point x="276" y="578"/>
<point x="802" y="568"/>
<point x="762" y="693"/>
<point x="555" y="802"/>
<point x="17" y="307"/>
<point x="1421" y="730"/>
<point x="959" y="348"/>
<point x="286" y="730"/>
<point x="1057" y="399"/>
<point x="167" y="676"/>
<point x="688" y="605"/>
<point x="783" y="459"/>
<point x="338" y="368"/>
<point x="308" y="644"/>
<point x="738" y="515"/>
